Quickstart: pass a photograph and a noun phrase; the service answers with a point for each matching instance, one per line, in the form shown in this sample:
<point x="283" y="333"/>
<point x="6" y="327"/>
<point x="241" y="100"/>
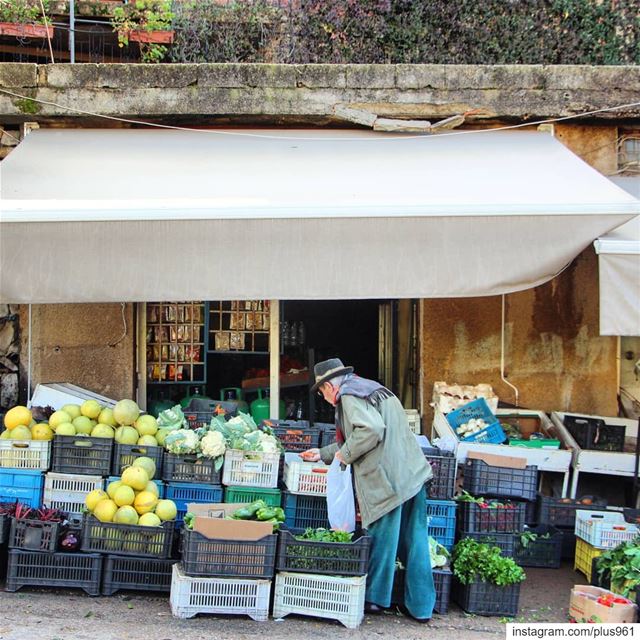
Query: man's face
<point x="328" y="392"/>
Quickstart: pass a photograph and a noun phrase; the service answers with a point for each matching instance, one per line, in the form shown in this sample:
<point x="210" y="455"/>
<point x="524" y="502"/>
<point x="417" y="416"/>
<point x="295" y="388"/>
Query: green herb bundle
<point x="474" y="561"/>
<point x="621" y="566"/>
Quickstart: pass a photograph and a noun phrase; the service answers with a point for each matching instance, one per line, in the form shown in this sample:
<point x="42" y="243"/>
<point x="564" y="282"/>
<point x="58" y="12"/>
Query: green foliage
<point x="527" y="537"/>
<point x="24" y="11"/>
<point x="621" y="566"/>
<point x="473" y="561"/>
<point x="325" y="535"/>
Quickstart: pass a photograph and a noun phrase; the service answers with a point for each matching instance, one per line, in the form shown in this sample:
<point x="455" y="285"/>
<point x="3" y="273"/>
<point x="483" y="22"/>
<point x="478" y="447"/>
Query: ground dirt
<point x="39" y="614"/>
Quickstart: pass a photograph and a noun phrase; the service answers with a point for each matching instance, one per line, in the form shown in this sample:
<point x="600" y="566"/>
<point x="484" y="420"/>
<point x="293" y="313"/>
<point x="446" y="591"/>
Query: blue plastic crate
<point x="23" y="485"/>
<point x="492" y="434"/>
<point x="158" y="483"/>
<point x="301" y="512"/>
<point x="441" y="521"/>
<point x="183" y="493"/>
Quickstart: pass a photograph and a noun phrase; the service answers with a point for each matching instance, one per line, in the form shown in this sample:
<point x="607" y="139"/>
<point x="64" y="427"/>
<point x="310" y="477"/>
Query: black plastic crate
<point x="302" y="512"/>
<point x="595" y="434"/>
<point x="568" y="544"/>
<point x="632" y="516"/>
<point x="541" y="552"/>
<point x="327" y="433"/>
<point x="5" y="526"/>
<point x="482" y="479"/>
<point x="295" y="435"/>
<point x="443" y="464"/>
<point x="202" y="556"/>
<point x="561" y="512"/>
<point x="505" y="541"/>
<point x="531" y="514"/>
<point x="127" y="539"/>
<point x="509" y="518"/>
<point x="441" y="581"/>
<point x="485" y="599"/>
<point x="124" y="456"/>
<point x="189" y="468"/>
<point x="329" y="558"/>
<point x="136" y="574"/>
<point x="82" y="454"/>
<point x="59" y="570"/>
<point x="34" y="535"/>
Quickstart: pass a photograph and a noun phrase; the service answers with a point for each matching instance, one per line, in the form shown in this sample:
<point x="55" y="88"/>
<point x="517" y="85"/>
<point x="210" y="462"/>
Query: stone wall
<point x="9" y="355"/>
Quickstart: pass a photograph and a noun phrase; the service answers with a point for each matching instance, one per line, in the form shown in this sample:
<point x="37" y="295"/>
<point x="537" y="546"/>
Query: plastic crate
<point x="34" y="535"/>
<point x="585" y="554"/>
<point x="302" y="512"/>
<point x="444" y="465"/>
<point x="604" y="529"/>
<point x="251" y="468"/>
<point x="24" y="485"/>
<point x="413" y="418"/>
<point x="161" y="486"/>
<point x="58" y="570"/>
<point x="320" y="596"/>
<point x="475" y="519"/>
<point x="184" y="493"/>
<point x="127" y="539"/>
<point x="595" y="434"/>
<point x="305" y="478"/>
<point x="136" y="574"/>
<point x="5" y="527"/>
<point x="246" y="495"/>
<point x="485" y="599"/>
<point x="441" y="581"/>
<point x="561" y="512"/>
<point x="67" y="491"/>
<point x="189" y="468"/>
<point x="233" y="596"/>
<point x="479" y="408"/>
<point x="295" y="435"/>
<point x="327" y="434"/>
<point x="82" y="454"/>
<point x="202" y="556"/>
<point x="531" y="514"/>
<point x="125" y="454"/>
<point x="332" y="558"/>
<point x="568" y="543"/>
<point x="538" y="443"/>
<point x="506" y="542"/>
<point x="441" y="521"/>
<point x="482" y="479"/>
<point x="632" y="516"/>
<point x="25" y="454"/>
<point x="542" y="552"/>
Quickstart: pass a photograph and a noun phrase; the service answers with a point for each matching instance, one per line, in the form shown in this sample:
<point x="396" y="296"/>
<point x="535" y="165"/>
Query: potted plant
<point x="486" y="583"/>
<point x="147" y="22"/>
<point x="620" y="568"/>
<point x="24" y="19"/>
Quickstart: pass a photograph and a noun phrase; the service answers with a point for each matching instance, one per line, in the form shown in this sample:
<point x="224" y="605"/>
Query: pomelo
<point x="135" y="477"/>
<point x="103" y="431"/>
<point x="17" y="416"/>
<point x="105" y="510"/>
<point x="106" y="417"/>
<point x="41" y="431"/>
<point x="126" y="435"/>
<point x="112" y="487"/>
<point x="73" y="410"/>
<point x="90" y="408"/>
<point x="126" y="412"/>
<point x="20" y="432"/>
<point x="5" y="435"/>
<point x="166" y="510"/>
<point x="147" y="464"/>
<point x="126" y="515"/>
<point x="94" y="497"/>
<point x="82" y="425"/>
<point x="161" y="435"/>
<point x="145" y="501"/>
<point x="149" y="520"/>
<point x="58" y="417"/>
<point x="153" y="487"/>
<point x="124" y="495"/>
<point x="148" y="441"/>
<point x="66" y="429"/>
<point x="146" y="425"/>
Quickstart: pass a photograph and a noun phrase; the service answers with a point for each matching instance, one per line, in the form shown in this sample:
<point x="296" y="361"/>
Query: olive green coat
<point x="387" y="462"/>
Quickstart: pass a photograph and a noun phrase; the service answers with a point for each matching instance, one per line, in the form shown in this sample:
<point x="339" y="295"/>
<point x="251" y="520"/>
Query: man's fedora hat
<point x="328" y="369"/>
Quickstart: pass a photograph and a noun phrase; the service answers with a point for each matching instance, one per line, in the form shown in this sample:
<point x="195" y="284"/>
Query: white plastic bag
<point x="340" y="503"/>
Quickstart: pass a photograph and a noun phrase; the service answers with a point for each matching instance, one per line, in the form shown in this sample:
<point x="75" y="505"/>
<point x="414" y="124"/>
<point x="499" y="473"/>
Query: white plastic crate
<point x="25" y="454"/>
<point x="67" y="491"/>
<point x="413" y="416"/>
<point x="320" y="596"/>
<point x="603" y="529"/>
<point x="251" y="469"/>
<point x="305" y="478"/>
<point x="234" y="596"/>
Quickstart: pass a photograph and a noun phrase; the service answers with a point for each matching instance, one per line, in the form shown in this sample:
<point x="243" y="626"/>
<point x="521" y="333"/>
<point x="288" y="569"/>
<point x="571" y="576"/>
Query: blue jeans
<point x="402" y="534"/>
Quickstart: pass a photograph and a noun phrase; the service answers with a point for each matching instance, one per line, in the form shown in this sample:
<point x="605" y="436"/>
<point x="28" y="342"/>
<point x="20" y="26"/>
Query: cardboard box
<point x="495" y="460"/>
<point x="210" y="522"/>
<point x="584" y="607"/>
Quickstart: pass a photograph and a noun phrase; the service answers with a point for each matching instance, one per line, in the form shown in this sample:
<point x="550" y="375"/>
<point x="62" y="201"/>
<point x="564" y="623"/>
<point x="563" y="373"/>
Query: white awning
<point x="619" y="267"/>
<point x="139" y="215"/>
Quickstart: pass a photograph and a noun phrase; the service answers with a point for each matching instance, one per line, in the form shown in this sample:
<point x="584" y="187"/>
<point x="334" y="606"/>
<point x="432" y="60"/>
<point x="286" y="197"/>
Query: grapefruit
<point x="20" y="432"/>
<point x="166" y="510"/>
<point x="147" y="464"/>
<point x="105" y="510"/>
<point x="126" y="412"/>
<point x="126" y="515"/>
<point x="94" y="497"/>
<point x="41" y="431"/>
<point x="153" y="487"/>
<point x="112" y="487"/>
<point x="58" y="417"/>
<point x="106" y="417"/>
<point x="126" y="435"/>
<point x="73" y="410"/>
<point x="148" y="441"/>
<point x="124" y="495"/>
<point x="135" y="477"/>
<point x="90" y="408"/>
<point x="161" y="435"/>
<point x="82" y="425"/>
<point x="65" y="429"/>
<point x="5" y="435"/>
<point x="103" y="431"/>
<point x="17" y="416"/>
<point x="149" y="520"/>
<point x="146" y="425"/>
<point x="145" y="501"/>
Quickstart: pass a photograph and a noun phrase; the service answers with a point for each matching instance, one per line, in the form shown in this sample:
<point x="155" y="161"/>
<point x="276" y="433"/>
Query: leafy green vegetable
<point x="527" y="537"/>
<point x="188" y="520"/>
<point x="621" y="565"/>
<point x="172" y="419"/>
<point x="325" y="535"/>
<point x="473" y="561"/>
<point x="439" y="554"/>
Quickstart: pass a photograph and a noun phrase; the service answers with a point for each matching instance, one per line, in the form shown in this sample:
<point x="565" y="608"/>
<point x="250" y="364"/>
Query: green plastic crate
<point x="546" y="443"/>
<point x="272" y="497"/>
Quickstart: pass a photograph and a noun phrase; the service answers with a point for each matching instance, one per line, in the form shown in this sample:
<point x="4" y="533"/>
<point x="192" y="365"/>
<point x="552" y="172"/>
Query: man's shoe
<point x="372" y="608"/>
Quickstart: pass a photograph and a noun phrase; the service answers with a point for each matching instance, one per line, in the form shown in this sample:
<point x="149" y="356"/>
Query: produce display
<point x="474" y="561"/>
<point x="258" y="511"/>
<point x="474" y="425"/>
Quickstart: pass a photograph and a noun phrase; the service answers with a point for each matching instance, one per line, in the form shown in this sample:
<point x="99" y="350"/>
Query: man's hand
<point x="310" y="455"/>
<point x="339" y="458"/>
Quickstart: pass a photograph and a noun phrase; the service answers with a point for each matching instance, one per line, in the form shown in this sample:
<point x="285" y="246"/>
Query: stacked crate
<point x="441" y="509"/>
<point x="305" y="495"/>
<point x="23" y="464"/>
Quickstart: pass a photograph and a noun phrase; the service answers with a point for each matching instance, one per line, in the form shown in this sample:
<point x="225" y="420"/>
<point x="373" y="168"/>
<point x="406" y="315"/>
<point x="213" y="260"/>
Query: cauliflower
<point x="182" y="441"/>
<point x="268" y="443"/>
<point x="172" y="419"/>
<point x="213" y="444"/>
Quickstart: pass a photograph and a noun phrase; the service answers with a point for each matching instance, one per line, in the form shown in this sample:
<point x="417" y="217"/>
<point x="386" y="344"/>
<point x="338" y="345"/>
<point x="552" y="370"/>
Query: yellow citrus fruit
<point x="105" y="510"/>
<point x="145" y="501"/>
<point x="17" y="416"/>
<point x="149" y="520"/>
<point x="124" y="495"/>
<point x="135" y="477"/>
<point x="58" y="417"/>
<point x="112" y="487"/>
<point x="94" y="497"/>
<point x="41" y="431"/>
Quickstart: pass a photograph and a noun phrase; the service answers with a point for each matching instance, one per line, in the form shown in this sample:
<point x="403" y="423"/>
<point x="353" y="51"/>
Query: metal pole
<point x="72" y="31"/>
<point x="274" y="359"/>
<point x="637" y="469"/>
<point x="29" y="360"/>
